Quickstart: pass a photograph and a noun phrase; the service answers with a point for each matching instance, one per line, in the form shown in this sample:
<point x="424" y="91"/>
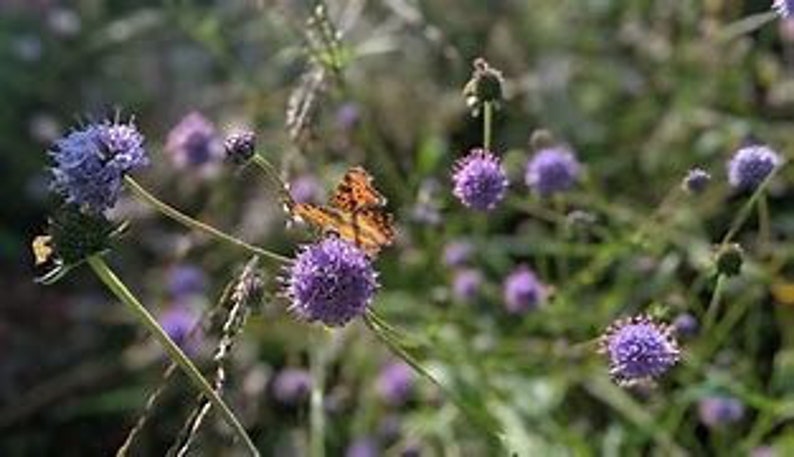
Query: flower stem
<point x="317" y="414"/>
<point x="711" y="312"/>
<point x="487" y="120"/>
<point x="188" y="221"/>
<point x="121" y="291"/>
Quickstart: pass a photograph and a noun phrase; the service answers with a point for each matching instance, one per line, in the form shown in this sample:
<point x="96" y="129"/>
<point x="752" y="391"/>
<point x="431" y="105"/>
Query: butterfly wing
<point x="356" y="191"/>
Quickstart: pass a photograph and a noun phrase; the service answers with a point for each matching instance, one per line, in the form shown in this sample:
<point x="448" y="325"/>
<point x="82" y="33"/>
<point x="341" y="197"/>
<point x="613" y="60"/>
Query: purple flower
<point x="347" y="116"/>
<point x="639" y="349"/>
<point x="551" y="170"/>
<point x="784" y="8"/>
<point x="292" y="385"/>
<point x="522" y="291"/>
<point x="686" y="325"/>
<point x="178" y="321"/>
<point x="719" y="410"/>
<point x="696" y="180"/>
<point x="466" y="284"/>
<point x="305" y="189"/>
<point x="90" y="163"/>
<point x="331" y="281"/>
<point x="186" y="280"/>
<point x="240" y="146"/>
<point x="363" y="447"/>
<point x="194" y="143"/>
<point x="751" y="165"/>
<point x="457" y="253"/>
<point x="480" y="180"/>
<point x="395" y="383"/>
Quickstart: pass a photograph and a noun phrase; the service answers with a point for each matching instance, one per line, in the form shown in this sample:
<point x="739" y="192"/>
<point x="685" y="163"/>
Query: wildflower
<point x="730" y="258"/>
<point x="639" y="349"/>
<point x="186" y="280"/>
<point x="784" y="8"/>
<point x="292" y="386"/>
<point x="194" y="143"/>
<point x="457" y="253"/>
<point x="90" y="163"/>
<point x="395" y="383"/>
<point x="716" y="411"/>
<point x="178" y="321"/>
<point x="466" y="284"/>
<point x="305" y="189"/>
<point x="484" y="86"/>
<point x="331" y="281"/>
<point x="362" y="447"/>
<point x="696" y="180"/>
<point x="551" y="170"/>
<point x="751" y="165"/>
<point x="240" y="146"/>
<point x="480" y="180"/>
<point x="686" y="325"/>
<point x="522" y="291"/>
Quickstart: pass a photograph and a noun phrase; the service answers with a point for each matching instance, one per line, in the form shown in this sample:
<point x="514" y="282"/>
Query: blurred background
<point x="641" y="90"/>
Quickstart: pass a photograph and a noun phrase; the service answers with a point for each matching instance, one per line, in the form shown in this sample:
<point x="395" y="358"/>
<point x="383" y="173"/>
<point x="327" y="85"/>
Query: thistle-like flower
<point x="90" y="163"/>
<point x="696" y="180"/>
<point x="194" y="144"/>
<point x="552" y="170"/>
<point x="784" y="8"/>
<point x="240" y="146"/>
<point x="522" y="291"/>
<point x="331" y="281"/>
<point x="480" y="180"/>
<point x="639" y="349"/>
<point x="750" y="166"/>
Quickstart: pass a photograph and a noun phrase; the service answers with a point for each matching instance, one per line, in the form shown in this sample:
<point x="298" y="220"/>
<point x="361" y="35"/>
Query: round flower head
<point x="292" y="385"/>
<point x="784" y="8"/>
<point x="639" y="349"/>
<point x="479" y="180"/>
<point x="696" y="180"/>
<point x="751" y="165"/>
<point x="466" y="284"/>
<point x="90" y="163"/>
<point x="686" y="325"/>
<point x="395" y="383"/>
<point x="186" y="280"/>
<point x="716" y="411"/>
<point x="522" y="291"/>
<point x="331" y="281"/>
<point x="553" y="169"/>
<point x="240" y="146"/>
<point x="194" y="143"/>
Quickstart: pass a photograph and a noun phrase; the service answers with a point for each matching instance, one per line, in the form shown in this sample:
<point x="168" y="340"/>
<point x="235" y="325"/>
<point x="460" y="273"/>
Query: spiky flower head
<point x="193" y="143"/>
<point x="90" y="163"/>
<point x="331" y="281"/>
<point x="395" y="383"/>
<point x="484" y="86"/>
<point x="696" y="180"/>
<point x="240" y="146"/>
<point x="479" y="180"/>
<point x="717" y="411"/>
<point x="76" y="235"/>
<point x="522" y="291"/>
<point x="784" y="8"/>
<point x="639" y="349"/>
<point x="751" y="164"/>
<point x="552" y="170"/>
<point x="292" y="385"/>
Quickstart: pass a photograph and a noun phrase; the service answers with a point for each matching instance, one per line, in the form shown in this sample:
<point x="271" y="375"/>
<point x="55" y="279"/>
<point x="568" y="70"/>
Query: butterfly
<point x="356" y="212"/>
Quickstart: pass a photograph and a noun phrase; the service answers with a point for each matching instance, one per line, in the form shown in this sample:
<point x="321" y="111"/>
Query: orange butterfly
<point x="356" y="212"/>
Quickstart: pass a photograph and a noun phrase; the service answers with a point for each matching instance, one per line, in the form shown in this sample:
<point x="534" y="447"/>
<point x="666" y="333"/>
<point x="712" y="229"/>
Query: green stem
<point x="121" y="291"/>
<point x="764" y="230"/>
<point x="745" y="210"/>
<point x="487" y="120"/>
<point x="711" y="312"/>
<point x="188" y="221"/>
<point x="317" y="413"/>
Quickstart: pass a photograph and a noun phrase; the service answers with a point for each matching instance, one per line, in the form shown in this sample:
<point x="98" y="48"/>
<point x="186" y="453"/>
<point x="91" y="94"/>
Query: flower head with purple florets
<point x="395" y="383"/>
<point x="194" y="143"/>
<point x="696" y="180"/>
<point x="479" y="180"/>
<point x="551" y="170"/>
<point x="90" y="163"/>
<point x="784" y="8"/>
<point x="331" y="281"/>
<point x="522" y="291"/>
<point x="750" y="166"/>
<point x="639" y="349"/>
